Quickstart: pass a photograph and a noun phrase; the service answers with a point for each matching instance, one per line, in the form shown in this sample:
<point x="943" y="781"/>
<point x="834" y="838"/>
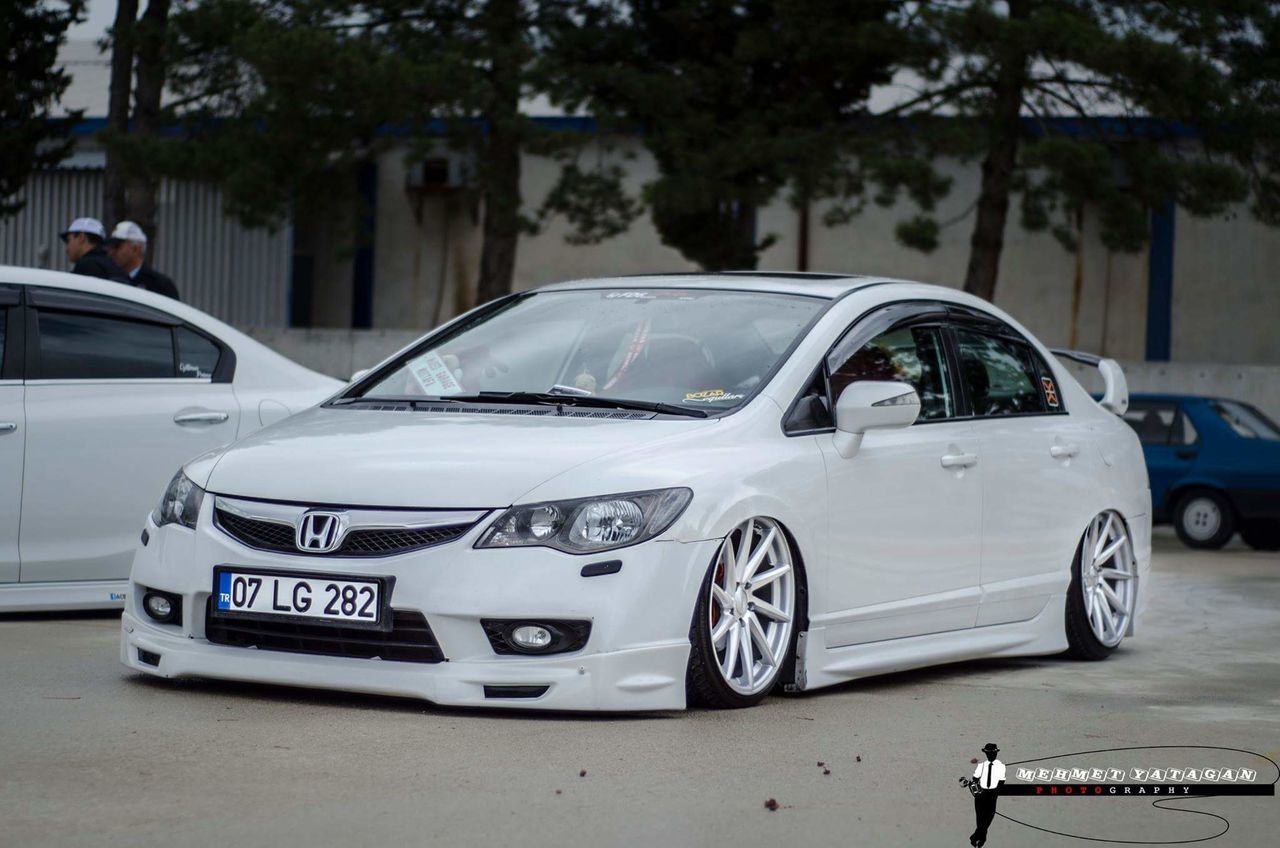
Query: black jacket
<point x="96" y="263"/>
<point x="153" y="281"/>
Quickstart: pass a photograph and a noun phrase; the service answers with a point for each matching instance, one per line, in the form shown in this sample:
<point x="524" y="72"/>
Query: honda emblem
<point x="319" y="532"/>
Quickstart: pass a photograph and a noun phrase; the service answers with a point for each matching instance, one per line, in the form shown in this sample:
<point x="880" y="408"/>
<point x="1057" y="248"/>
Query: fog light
<point x="534" y="636"/>
<point x="160" y="606"/>
<point x="531" y="637"/>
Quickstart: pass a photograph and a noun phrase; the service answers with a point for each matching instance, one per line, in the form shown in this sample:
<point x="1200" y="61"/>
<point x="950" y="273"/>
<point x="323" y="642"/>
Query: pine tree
<point x="31" y="84"/>
<point x="735" y="101"/>
<point x="1118" y="105"/>
<point x="283" y="100"/>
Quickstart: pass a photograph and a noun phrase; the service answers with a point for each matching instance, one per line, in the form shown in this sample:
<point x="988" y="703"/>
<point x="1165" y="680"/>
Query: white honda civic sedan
<point x="104" y="388"/>
<point x="654" y="492"/>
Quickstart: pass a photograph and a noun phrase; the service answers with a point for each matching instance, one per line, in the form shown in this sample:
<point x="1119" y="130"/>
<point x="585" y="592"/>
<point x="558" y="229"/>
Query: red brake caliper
<point x="718" y="579"/>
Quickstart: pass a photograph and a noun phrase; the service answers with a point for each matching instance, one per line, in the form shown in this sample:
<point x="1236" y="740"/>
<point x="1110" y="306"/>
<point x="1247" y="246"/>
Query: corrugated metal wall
<point x="238" y="275"/>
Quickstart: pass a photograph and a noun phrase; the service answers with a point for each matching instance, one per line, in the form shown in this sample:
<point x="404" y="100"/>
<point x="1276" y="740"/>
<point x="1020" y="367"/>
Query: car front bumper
<point x="634" y="659"/>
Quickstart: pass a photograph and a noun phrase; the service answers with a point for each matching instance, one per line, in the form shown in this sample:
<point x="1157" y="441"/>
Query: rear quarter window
<point x="79" y="346"/>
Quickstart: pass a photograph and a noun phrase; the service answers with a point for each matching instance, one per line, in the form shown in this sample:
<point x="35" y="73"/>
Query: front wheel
<point x="1104" y="587"/>
<point x="743" y="628"/>
<point x="1204" y="519"/>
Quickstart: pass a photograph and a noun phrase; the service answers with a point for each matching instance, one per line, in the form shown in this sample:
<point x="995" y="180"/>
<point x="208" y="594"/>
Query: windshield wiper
<point x="546" y="398"/>
<point x="556" y="399"/>
<point x="412" y="400"/>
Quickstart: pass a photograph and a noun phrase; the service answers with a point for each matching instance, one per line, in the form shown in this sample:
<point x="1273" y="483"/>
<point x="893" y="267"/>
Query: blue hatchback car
<point x="1214" y="466"/>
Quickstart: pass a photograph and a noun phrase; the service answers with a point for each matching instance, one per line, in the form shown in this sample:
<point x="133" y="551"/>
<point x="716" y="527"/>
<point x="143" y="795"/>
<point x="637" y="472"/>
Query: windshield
<point x="1246" y="420"/>
<point x="699" y="349"/>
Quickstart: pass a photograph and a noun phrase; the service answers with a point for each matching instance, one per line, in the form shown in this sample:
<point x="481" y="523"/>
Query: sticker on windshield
<point x="1050" y="392"/>
<point x="673" y="294"/>
<point x="433" y="375"/>
<point x="710" y="396"/>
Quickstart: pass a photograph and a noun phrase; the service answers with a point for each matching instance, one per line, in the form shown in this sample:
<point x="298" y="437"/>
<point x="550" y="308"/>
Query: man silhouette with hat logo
<point x="988" y="777"/>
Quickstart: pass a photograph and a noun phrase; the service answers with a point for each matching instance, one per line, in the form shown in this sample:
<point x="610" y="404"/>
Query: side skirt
<point x="71" y="595"/>
<point x="1043" y="634"/>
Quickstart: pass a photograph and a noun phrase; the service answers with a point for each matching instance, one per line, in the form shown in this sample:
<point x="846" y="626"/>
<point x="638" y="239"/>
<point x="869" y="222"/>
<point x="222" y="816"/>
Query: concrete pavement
<point x="91" y="755"/>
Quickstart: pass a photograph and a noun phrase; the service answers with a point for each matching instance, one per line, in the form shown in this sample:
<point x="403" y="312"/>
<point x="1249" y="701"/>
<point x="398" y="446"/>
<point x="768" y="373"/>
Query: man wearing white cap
<point x="84" y="250"/>
<point x="128" y="247"/>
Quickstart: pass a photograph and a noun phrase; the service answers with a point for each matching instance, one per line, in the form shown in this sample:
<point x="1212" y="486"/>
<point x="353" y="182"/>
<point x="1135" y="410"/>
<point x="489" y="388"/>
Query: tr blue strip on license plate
<point x="309" y="596"/>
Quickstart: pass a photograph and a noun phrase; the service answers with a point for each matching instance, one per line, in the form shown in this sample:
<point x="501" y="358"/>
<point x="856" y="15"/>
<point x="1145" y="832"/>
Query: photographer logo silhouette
<point x="985" y="785"/>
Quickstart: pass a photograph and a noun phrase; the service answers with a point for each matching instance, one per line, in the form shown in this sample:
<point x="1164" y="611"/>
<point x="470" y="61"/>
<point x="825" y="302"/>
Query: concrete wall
<point x="1226" y="302"/>
<point x="1256" y="384"/>
<point x="340" y="353"/>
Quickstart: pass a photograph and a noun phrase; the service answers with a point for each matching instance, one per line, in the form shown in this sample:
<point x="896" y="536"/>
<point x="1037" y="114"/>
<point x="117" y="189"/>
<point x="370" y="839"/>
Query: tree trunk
<point x="142" y="184"/>
<point x="118" y="106"/>
<point x="744" y="255"/>
<point x="997" y="167"/>
<point x="501" y="214"/>
<point x="500" y="151"/>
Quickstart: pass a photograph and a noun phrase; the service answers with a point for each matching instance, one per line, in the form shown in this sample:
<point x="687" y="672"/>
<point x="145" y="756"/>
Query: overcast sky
<point x="101" y="14"/>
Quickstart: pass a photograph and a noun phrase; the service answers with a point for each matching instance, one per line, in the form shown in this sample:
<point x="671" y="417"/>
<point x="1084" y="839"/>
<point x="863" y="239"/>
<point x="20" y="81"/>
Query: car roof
<point x="24" y="276"/>
<point x="825" y="285"/>
<point x="266" y="360"/>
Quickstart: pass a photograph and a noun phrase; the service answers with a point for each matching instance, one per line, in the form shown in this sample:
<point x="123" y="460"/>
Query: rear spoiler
<point x="1115" y="392"/>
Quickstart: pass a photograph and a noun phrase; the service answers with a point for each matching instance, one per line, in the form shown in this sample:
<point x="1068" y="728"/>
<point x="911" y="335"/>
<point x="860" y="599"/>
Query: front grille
<point x="256" y="533"/>
<point x="409" y="640"/>
<point x="383" y="542"/>
<point x="278" y="536"/>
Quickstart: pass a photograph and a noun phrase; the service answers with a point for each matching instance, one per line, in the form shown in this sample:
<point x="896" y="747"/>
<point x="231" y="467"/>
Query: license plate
<point x="317" y="598"/>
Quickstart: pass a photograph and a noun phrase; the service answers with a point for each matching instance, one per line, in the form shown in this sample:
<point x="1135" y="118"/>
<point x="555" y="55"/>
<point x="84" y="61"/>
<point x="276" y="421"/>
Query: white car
<point x="104" y="388"/>
<point x="646" y="493"/>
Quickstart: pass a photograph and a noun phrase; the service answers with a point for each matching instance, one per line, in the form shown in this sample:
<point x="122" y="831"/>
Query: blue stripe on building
<point x="1160" y="284"/>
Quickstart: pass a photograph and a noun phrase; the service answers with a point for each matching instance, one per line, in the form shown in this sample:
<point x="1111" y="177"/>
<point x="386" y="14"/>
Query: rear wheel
<point x="743" y="629"/>
<point x="1261" y="535"/>
<point x="1204" y="519"/>
<point x="1100" y="600"/>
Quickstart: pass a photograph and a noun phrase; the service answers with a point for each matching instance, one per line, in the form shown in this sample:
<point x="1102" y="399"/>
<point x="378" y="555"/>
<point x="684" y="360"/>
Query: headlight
<point x="180" y="504"/>
<point x="588" y="525"/>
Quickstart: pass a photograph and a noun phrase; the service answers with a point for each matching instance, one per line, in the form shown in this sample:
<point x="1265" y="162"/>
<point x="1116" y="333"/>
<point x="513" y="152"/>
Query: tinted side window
<point x="1246" y="420"/>
<point x="1184" y="432"/>
<point x="79" y="346"/>
<point x="197" y="356"/>
<point x="911" y="355"/>
<point x="4" y="321"/>
<point x="999" y="374"/>
<point x="1152" y="422"/>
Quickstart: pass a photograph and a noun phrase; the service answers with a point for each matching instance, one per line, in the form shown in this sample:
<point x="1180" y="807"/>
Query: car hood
<point x="419" y="459"/>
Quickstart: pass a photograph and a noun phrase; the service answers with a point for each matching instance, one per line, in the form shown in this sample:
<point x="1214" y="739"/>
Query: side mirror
<point x="872" y="405"/>
<point x="359" y="375"/>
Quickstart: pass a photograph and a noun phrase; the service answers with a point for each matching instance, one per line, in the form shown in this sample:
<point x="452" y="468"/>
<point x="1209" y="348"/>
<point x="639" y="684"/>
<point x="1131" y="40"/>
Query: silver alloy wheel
<point x="752" y="605"/>
<point x="1201" y="518"/>
<point x="1108" y="578"/>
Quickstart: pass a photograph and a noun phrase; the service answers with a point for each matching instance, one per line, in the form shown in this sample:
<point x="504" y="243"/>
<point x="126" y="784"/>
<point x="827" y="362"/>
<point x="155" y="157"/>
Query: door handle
<point x="1182" y="454"/>
<point x="200" y="418"/>
<point x="7" y="426"/>
<point x="1064" y="451"/>
<point x="959" y="460"/>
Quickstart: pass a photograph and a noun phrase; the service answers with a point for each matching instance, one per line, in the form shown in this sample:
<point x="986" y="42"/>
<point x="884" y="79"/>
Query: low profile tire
<point x="743" y="630"/>
<point x="1204" y="519"/>
<point x="1103" y="590"/>
<point x="1261" y="535"/>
